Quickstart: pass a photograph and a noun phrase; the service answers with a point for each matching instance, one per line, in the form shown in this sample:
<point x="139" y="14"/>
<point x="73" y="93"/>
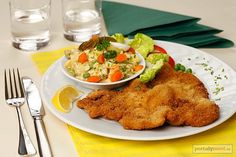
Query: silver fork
<point x="14" y="96"/>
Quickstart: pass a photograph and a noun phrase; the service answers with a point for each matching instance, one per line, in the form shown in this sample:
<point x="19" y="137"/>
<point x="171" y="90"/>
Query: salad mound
<point x="101" y="60"/>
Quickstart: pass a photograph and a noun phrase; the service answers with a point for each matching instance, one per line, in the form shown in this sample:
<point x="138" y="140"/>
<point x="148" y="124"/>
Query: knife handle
<point x="43" y="144"/>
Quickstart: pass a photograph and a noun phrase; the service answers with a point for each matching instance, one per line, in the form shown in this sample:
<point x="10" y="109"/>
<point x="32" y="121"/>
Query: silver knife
<point x="37" y="112"/>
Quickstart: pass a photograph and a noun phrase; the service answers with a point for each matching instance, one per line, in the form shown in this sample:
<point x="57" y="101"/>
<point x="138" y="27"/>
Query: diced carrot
<point x="121" y="58"/>
<point x="83" y="58"/>
<point x="116" y="76"/>
<point x="94" y="79"/>
<point x="131" y="50"/>
<point x="138" y="67"/>
<point x="101" y="59"/>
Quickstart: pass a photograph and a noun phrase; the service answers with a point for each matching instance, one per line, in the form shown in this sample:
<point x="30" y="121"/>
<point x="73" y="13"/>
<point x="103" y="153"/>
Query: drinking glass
<point x="30" y="23"/>
<point x="81" y="19"/>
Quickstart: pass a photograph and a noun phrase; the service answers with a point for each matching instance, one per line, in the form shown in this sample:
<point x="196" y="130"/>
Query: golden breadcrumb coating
<point x="176" y="98"/>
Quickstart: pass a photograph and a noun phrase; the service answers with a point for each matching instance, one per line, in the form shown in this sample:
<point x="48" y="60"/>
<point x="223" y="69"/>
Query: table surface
<point x="216" y="13"/>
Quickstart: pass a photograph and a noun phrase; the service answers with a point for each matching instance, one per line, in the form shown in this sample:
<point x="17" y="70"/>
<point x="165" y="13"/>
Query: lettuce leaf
<point x="119" y="37"/>
<point x="153" y="58"/>
<point x="150" y="73"/>
<point x="142" y="43"/>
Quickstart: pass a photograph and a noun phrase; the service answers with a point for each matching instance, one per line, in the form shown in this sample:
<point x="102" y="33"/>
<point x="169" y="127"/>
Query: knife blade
<point x="37" y="112"/>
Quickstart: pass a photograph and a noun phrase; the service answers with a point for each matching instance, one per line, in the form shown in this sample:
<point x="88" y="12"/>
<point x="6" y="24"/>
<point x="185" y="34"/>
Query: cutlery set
<point x="17" y="90"/>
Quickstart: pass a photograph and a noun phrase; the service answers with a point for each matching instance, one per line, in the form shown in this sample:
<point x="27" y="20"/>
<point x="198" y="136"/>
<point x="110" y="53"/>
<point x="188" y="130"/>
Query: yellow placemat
<point x="219" y="141"/>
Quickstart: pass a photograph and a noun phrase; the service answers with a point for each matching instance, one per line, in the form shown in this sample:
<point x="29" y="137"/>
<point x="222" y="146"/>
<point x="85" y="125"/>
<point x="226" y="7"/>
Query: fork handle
<point x="25" y="145"/>
<point x="43" y="144"/>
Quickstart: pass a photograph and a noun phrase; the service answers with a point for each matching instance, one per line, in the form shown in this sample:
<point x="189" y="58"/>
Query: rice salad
<point x="102" y="63"/>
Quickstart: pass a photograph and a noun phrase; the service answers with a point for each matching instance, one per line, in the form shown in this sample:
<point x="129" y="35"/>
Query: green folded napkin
<point x="178" y="31"/>
<point x="129" y="20"/>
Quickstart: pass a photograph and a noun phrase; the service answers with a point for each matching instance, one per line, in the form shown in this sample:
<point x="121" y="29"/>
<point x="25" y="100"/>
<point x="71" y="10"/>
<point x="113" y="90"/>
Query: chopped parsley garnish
<point x="123" y="68"/>
<point x="218" y="99"/>
<point x="204" y="64"/>
<point x="110" y="54"/>
<point x="218" y="90"/>
<point x="103" y="45"/>
<point x="218" y="77"/>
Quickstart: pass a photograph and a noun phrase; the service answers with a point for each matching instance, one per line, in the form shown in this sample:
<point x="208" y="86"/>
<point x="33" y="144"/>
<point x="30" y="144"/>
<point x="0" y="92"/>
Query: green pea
<point x="182" y="68"/>
<point x="86" y="75"/>
<point x="189" y="70"/>
<point x="177" y="67"/>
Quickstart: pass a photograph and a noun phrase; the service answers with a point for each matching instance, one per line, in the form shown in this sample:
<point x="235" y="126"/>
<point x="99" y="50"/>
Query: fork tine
<point x="11" y="89"/>
<point x="16" y="88"/>
<point x="20" y="83"/>
<point x="6" y="87"/>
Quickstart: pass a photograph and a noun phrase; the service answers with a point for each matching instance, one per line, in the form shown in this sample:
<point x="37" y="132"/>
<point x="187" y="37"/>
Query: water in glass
<point x="80" y="23"/>
<point x="30" y="28"/>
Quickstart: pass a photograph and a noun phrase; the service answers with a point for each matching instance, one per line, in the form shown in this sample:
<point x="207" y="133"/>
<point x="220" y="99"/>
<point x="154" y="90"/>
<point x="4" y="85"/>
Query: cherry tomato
<point x="159" y="49"/>
<point x="171" y="62"/>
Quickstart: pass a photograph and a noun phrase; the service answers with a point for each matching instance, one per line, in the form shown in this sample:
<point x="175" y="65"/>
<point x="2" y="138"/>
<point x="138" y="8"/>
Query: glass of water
<point x="81" y="19"/>
<point x="30" y="23"/>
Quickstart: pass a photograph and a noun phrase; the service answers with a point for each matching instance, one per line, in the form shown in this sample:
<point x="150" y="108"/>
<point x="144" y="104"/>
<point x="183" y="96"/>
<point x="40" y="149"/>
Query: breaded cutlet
<point x="176" y="98"/>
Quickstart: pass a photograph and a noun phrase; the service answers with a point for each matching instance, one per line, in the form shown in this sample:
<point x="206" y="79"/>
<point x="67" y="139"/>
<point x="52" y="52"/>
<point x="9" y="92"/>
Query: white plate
<point x="53" y="79"/>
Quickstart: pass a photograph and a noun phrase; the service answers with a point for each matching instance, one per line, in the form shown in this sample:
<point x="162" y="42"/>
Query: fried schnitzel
<point x="176" y="98"/>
